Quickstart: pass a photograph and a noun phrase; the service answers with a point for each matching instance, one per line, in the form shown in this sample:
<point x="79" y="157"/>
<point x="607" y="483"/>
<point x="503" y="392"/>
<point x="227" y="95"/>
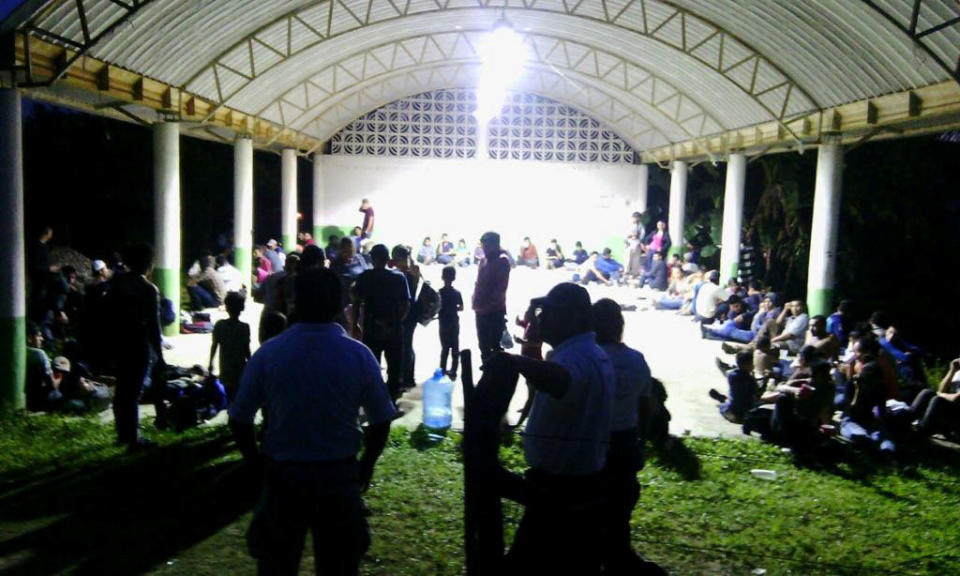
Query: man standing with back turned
<point x="311" y="382"/>
<point x="490" y="294"/>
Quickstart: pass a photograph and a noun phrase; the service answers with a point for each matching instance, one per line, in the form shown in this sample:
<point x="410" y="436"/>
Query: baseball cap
<point x="271" y="243"/>
<point x="99" y="265"/>
<point x="61" y="364"/>
<point x="566" y="296"/>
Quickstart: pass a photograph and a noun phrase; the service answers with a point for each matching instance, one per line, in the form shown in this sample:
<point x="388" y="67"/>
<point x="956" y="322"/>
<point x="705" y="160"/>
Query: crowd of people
<point x="331" y="314"/>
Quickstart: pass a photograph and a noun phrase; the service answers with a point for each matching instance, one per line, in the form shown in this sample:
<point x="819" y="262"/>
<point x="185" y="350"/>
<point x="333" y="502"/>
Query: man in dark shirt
<point x="385" y="301"/>
<point x="40" y="271"/>
<point x="742" y="390"/>
<point x="656" y="276"/>
<point x="366" y="228"/>
<point x="411" y="272"/>
<point x="135" y="306"/>
<point x="490" y="295"/>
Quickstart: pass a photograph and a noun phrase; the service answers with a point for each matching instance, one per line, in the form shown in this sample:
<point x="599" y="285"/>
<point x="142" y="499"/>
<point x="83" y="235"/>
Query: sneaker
<point x="452" y="375"/>
<point x="717" y="396"/>
<point x="729" y="348"/>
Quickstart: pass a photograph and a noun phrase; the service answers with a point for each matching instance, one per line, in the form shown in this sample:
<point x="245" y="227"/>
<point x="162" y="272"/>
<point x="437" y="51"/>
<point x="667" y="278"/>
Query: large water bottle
<point x="437" y="401"/>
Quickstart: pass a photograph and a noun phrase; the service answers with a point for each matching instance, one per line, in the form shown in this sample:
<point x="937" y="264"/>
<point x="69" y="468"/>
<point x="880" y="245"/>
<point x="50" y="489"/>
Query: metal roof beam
<point x="120" y="87"/>
<point x="927" y="110"/>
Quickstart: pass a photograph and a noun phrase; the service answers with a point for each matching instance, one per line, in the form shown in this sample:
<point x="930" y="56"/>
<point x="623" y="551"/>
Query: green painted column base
<point x="674" y="249"/>
<point x="13" y="364"/>
<point x="820" y="302"/>
<point x="317" y="233"/>
<point x="732" y="271"/>
<point x="289" y="243"/>
<point x="168" y="281"/>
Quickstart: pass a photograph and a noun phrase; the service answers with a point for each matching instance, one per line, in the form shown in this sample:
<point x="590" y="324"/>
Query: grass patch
<point x="72" y="503"/>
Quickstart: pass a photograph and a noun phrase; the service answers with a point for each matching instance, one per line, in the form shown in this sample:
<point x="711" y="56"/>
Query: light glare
<point x="502" y="54"/>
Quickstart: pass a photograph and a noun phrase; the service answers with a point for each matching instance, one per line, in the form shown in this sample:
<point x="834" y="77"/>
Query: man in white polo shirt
<point x="566" y="440"/>
<point x="310" y="382"/>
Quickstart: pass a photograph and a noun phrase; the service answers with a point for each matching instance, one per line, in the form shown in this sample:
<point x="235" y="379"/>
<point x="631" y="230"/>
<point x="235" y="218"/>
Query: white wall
<point x="416" y="197"/>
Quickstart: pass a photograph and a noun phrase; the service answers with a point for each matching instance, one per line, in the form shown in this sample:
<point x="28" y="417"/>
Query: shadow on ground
<point x="122" y="516"/>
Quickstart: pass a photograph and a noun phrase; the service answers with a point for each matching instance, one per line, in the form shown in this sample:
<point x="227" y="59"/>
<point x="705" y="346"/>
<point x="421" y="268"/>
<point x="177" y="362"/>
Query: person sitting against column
<point x="611" y="269"/>
<point x="708" y="298"/>
<point x="656" y="276"/>
<point x="463" y="253"/>
<point x="590" y="273"/>
<point x="42" y="394"/>
<point x="206" y="289"/>
<point x="579" y="254"/>
<point x="528" y="255"/>
<point x="555" y="257"/>
<point x="794" y="322"/>
<point x="742" y="389"/>
<point x="427" y="253"/>
<point x="657" y="240"/>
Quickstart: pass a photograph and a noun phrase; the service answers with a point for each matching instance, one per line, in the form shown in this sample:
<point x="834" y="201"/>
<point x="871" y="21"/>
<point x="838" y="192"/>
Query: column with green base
<point x="288" y="199"/>
<point x="166" y="193"/>
<point x="243" y="207"/>
<point x="678" y="200"/>
<point x="732" y="216"/>
<point x="823" y="230"/>
<point x="319" y="198"/>
<point x="642" y="188"/>
<point x="13" y="300"/>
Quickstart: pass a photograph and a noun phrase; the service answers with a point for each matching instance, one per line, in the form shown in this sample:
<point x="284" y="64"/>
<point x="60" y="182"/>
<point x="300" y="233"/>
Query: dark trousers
<point x="392" y="349"/>
<point x="133" y="374"/>
<point x="623" y="493"/>
<point x="323" y="497"/>
<point x="201" y="298"/>
<point x="935" y="414"/>
<point x="561" y="531"/>
<point x="490" y="329"/>
<point x="449" y="343"/>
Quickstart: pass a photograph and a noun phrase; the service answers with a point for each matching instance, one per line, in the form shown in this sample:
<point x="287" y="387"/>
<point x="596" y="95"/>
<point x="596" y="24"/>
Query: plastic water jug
<point x="437" y="401"/>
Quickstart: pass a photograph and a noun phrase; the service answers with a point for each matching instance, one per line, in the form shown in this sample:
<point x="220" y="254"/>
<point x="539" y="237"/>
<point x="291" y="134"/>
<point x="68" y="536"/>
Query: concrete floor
<point x="672" y="346"/>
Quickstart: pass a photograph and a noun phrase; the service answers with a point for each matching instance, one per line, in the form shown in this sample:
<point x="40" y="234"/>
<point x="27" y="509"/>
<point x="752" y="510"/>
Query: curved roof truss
<point x="703" y="70"/>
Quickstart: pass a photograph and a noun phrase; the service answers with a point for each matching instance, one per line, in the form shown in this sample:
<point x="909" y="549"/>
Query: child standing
<point x="451" y="303"/>
<point x="233" y="338"/>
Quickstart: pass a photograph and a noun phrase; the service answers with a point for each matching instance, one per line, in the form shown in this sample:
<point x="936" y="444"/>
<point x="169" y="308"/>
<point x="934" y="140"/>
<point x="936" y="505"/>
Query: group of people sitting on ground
<point x="798" y="380"/>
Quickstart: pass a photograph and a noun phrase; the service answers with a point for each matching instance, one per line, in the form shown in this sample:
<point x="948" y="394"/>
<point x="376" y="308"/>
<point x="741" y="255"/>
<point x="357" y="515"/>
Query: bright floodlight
<point x="503" y="54"/>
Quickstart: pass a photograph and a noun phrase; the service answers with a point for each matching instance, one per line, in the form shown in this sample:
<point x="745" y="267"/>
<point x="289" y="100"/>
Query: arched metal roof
<point x="660" y="73"/>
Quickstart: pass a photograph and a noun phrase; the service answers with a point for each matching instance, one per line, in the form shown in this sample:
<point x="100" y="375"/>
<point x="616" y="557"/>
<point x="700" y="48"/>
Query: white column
<point x="166" y="195"/>
<point x="13" y="300"/>
<point x="823" y="230"/>
<point x="319" y="198"/>
<point x="288" y="209"/>
<point x="243" y="206"/>
<point x="642" y="187"/>
<point x="732" y="216"/>
<point x="678" y="199"/>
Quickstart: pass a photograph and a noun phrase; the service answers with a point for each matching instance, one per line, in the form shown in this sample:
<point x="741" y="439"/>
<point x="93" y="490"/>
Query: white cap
<point x="271" y="243"/>
<point x="99" y="265"/>
<point x="61" y="364"/>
